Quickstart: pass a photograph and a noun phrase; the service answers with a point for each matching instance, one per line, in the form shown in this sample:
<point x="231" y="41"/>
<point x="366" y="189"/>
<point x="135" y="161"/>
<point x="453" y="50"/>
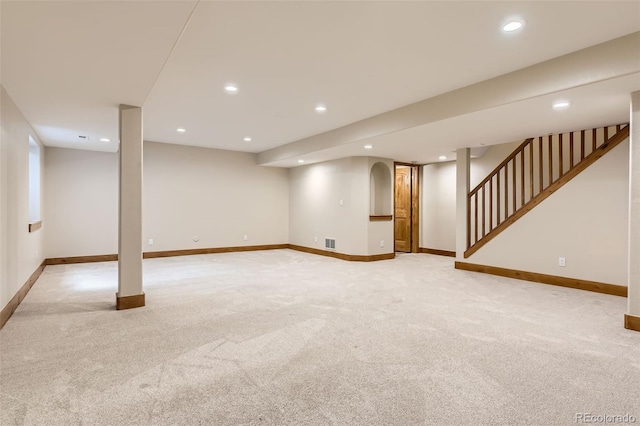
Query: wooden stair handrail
<point x="495" y="171"/>
<point x="534" y="199"/>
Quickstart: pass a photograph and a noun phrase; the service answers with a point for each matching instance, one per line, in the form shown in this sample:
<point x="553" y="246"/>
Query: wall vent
<point x="330" y="243"/>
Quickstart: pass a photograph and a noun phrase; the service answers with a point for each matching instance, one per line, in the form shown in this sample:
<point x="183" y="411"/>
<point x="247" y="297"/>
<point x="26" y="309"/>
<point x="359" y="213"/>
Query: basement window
<point x="34" y="185"/>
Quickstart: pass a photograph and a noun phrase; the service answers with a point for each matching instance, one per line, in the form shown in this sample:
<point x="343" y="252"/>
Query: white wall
<point x="438" y="206"/>
<point x="21" y="252"/>
<point x="438" y="195"/>
<point x="482" y="166"/>
<point x="315" y="210"/>
<point x="81" y="203"/>
<point x="218" y="196"/>
<point x="585" y="222"/>
<point x="316" y="192"/>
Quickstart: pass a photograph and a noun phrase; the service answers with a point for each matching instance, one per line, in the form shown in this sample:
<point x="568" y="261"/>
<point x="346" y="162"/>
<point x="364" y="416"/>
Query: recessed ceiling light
<point x="247" y="139"/>
<point x="512" y="26"/>
<point x="320" y="108"/>
<point x="181" y="130"/>
<point x="561" y="104"/>
<point x="301" y="161"/>
<point x="231" y="88"/>
<point x="105" y="140"/>
<point x="368" y="147"/>
<point x="442" y="157"/>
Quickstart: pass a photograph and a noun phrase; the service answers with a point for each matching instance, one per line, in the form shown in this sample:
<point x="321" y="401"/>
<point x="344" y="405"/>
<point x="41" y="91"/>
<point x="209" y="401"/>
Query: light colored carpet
<point x="282" y="337"/>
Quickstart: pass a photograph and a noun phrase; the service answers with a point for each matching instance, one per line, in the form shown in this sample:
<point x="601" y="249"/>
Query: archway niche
<point x="381" y="190"/>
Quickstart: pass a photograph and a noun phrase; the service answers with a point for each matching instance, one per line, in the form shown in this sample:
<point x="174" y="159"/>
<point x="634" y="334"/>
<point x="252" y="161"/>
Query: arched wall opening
<point x="381" y="203"/>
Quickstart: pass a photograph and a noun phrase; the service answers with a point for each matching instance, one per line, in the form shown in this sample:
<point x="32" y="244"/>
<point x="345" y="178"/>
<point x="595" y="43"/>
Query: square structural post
<point x="463" y="182"/>
<point x="130" y="294"/>
<point x="632" y="318"/>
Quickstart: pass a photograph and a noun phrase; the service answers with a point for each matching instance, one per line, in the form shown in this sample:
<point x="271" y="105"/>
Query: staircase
<point x="534" y="171"/>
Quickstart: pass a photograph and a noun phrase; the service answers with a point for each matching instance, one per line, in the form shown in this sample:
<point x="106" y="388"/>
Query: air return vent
<point x="330" y="243"/>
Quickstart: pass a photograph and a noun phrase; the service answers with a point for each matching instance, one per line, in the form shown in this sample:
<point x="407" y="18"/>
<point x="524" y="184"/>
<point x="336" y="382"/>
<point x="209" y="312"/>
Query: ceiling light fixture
<point x="231" y="88"/>
<point x="181" y="130"/>
<point x="368" y="147"/>
<point x="301" y="161"/>
<point x="321" y="108"/>
<point x="513" y="25"/>
<point x="247" y="139"/>
<point x="561" y="104"/>
<point x="442" y="157"/>
<point x="105" y="140"/>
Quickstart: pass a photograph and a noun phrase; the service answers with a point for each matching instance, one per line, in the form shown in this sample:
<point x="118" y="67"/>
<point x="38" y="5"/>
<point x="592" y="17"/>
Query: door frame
<point x="415" y="204"/>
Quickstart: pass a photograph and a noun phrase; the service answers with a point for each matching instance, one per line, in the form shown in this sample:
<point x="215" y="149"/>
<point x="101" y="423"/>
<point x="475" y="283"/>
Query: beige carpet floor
<point x="287" y="338"/>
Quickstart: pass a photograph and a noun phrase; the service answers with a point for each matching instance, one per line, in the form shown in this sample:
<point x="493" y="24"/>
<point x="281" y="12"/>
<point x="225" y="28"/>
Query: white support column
<point x="463" y="179"/>
<point x="130" y="294"/>
<point x="632" y="319"/>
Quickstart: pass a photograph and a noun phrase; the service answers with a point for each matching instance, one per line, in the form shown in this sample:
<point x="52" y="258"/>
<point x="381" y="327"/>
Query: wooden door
<point x="403" y="209"/>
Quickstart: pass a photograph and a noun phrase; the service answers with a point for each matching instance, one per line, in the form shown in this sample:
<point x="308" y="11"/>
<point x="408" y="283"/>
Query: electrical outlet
<point x="246" y="237"/>
<point x="315" y="239"/>
<point x="150" y="241"/>
<point x="341" y="203"/>
<point x="381" y="243"/>
<point x="562" y="262"/>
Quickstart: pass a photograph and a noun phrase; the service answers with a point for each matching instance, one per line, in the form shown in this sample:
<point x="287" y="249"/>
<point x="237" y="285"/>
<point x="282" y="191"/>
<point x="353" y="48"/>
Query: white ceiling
<point x="597" y="105"/>
<point x="68" y="65"/>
